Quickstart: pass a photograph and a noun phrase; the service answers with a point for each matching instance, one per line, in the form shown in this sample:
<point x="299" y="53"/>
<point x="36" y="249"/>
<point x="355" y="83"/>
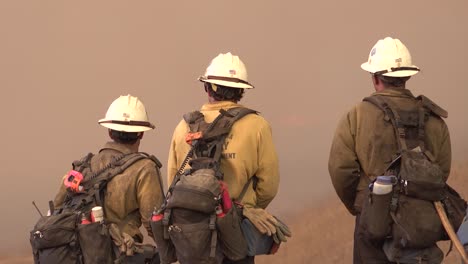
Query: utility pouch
<point x="421" y="178"/>
<point x="96" y="243"/>
<point x="375" y="216"/>
<point x="455" y="207"/>
<point x="194" y="242"/>
<point x="257" y="243"/>
<point x="197" y="191"/>
<point x="166" y="249"/>
<point x="54" y="239"/>
<point x="417" y="223"/>
<point x="233" y="243"/>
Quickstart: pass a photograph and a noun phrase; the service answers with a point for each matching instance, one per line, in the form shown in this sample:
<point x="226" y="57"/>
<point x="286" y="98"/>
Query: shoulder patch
<point x="433" y="107"/>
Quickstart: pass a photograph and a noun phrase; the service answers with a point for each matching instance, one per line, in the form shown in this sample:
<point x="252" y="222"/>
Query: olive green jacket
<point x="131" y="196"/>
<point x="364" y="145"/>
<point x="248" y="151"/>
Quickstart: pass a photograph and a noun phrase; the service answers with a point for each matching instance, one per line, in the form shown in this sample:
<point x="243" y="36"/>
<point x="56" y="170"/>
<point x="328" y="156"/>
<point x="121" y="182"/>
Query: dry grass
<point x="324" y="234"/>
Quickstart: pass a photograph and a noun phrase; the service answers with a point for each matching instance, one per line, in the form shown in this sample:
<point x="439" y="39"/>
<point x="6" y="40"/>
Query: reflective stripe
<point x="228" y="79"/>
<point x="394" y="69"/>
<point x="129" y="123"/>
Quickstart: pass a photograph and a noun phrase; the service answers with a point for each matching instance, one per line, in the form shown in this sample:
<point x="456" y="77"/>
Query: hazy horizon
<point x="63" y="63"/>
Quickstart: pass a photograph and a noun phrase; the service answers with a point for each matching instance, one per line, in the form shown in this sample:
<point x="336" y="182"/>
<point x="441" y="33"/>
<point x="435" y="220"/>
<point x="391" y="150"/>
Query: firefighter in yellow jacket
<point x="364" y="142"/>
<point x="131" y="196"/>
<point x="248" y="149"/>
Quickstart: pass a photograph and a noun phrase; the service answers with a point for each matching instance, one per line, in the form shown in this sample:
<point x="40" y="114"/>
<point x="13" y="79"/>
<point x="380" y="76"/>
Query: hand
<point x="129" y="244"/>
<point x="122" y="240"/>
<point x="261" y="219"/>
<point x="282" y="231"/>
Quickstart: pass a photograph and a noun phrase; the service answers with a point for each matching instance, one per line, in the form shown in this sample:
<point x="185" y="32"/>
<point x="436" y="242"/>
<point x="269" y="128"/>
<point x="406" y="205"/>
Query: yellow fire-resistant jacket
<point x="131" y="196"/>
<point x="249" y="151"/>
<point x="364" y="145"/>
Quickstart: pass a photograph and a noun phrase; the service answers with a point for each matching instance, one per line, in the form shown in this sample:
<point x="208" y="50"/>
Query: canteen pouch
<point x="233" y="243"/>
<point x="193" y="243"/>
<point x="257" y="243"/>
<point x="375" y="216"/>
<point x="165" y="247"/>
<point x="96" y="243"/>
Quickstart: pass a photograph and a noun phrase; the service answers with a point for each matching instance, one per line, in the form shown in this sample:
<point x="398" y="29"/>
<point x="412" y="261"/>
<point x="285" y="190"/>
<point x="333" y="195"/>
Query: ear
<point x="109" y="132"/>
<point x="140" y="136"/>
<point x="375" y="80"/>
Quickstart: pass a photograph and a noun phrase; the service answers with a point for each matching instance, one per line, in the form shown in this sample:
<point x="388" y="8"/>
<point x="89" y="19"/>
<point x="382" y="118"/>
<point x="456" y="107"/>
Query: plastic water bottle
<point x="383" y="184"/>
<point x="97" y="214"/>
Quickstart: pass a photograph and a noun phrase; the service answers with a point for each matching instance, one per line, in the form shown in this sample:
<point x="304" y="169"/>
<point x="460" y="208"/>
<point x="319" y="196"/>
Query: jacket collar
<point x="219" y="105"/>
<point x="122" y="148"/>
<point x="395" y="92"/>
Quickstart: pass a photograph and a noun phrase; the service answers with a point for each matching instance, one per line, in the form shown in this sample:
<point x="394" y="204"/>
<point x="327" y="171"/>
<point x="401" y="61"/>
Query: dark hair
<point x="125" y="137"/>
<point x="393" y="81"/>
<point x="224" y="93"/>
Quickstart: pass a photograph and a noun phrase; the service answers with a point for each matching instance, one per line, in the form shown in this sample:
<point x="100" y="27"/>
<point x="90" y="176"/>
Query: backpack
<point x="198" y="222"/>
<point x="407" y="214"/>
<point x="67" y="236"/>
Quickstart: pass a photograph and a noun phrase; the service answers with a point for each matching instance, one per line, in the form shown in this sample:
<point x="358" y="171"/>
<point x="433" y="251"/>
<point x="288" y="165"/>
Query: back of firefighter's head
<point x="126" y="120"/>
<point x="390" y="62"/>
<point x="225" y="78"/>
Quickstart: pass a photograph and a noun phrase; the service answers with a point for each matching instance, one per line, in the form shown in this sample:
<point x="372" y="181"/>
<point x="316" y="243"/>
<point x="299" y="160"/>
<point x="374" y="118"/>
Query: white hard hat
<point x="127" y="113"/>
<point x="390" y="57"/>
<point x="227" y="70"/>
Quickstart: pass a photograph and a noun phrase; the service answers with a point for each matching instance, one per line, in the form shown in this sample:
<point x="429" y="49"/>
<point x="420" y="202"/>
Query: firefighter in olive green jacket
<point x="364" y="143"/>
<point x="131" y="196"/>
<point x="248" y="150"/>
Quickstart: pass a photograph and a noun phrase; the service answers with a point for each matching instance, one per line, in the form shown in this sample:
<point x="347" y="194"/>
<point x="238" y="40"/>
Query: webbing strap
<point x="253" y="179"/>
<point x="421" y="127"/>
<point x="214" y="235"/>
<point x="97" y="181"/>
<point x="392" y="214"/>
<point x="166" y="219"/>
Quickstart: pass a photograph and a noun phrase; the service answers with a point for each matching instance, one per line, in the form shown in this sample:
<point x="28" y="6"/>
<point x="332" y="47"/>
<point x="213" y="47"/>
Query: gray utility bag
<point x="61" y="238"/>
<point x="188" y="229"/>
<point x="407" y="215"/>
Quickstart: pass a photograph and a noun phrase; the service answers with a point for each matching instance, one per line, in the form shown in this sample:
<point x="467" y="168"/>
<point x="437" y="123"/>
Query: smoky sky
<point x="63" y="62"/>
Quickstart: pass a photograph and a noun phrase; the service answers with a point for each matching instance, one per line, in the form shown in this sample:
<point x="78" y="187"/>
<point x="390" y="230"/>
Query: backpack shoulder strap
<point x="83" y="164"/>
<point x="223" y="126"/>
<point x="96" y="182"/>
<point x="194" y="119"/>
<point x="432" y="107"/>
<point x="393" y="116"/>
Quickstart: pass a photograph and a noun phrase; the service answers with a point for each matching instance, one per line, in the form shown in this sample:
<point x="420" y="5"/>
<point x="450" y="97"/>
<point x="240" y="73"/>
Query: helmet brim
<point x="123" y="128"/>
<point x="404" y="73"/>
<point x="226" y="83"/>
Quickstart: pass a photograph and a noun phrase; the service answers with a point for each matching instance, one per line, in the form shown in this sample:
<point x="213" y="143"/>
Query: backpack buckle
<point x="73" y="181"/>
<point x="191" y="136"/>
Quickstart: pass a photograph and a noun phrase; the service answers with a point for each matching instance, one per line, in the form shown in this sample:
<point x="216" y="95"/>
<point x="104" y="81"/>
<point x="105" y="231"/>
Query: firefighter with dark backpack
<point x="105" y="198"/>
<point x="392" y="152"/>
<point x="222" y="152"/>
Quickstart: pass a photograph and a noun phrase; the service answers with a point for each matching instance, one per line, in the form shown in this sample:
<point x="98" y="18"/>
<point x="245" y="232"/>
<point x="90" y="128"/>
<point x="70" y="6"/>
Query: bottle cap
<point x="390" y="180"/>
